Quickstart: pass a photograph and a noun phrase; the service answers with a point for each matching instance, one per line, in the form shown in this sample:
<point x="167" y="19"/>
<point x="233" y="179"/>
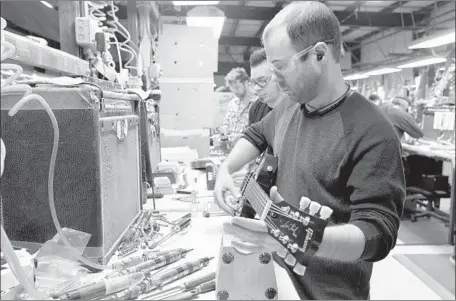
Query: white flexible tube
<point x="55" y="146"/>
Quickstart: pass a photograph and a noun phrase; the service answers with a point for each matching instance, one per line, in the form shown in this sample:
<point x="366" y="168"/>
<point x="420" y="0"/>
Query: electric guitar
<point x="299" y="231"/>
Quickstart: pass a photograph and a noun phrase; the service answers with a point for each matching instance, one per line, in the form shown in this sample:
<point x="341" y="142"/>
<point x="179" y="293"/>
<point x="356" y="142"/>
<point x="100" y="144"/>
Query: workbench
<point x="205" y="236"/>
<point x="441" y="154"/>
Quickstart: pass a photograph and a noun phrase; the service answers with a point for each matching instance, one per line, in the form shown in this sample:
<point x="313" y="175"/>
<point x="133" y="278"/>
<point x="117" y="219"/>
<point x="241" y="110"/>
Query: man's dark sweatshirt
<point x="350" y="160"/>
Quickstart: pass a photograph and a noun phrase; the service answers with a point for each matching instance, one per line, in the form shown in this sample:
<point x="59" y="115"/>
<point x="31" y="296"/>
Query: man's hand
<point x="224" y="183"/>
<point x="253" y="234"/>
<point x="239" y="176"/>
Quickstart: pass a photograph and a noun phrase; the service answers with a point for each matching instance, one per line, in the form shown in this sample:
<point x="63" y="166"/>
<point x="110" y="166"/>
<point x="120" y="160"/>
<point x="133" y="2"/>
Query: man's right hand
<point x="224" y="183"/>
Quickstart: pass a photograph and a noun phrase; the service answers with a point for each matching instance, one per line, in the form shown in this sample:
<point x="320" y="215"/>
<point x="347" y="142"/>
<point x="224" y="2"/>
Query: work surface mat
<point x="425" y="231"/>
<point x="435" y="270"/>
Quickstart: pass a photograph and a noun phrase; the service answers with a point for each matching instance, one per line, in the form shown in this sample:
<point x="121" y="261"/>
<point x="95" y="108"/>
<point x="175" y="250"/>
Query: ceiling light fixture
<point x="207" y="16"/>
<point x="356" y="76"/>
<point x="420" y="62"/>
<point x="186" y="3"/>
<point x="381" y="71"/>
<point x="45" y="3"/>
<point x="434" y="40"/>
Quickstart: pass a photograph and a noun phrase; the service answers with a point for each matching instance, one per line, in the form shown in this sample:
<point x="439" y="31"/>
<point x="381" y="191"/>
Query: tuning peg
<point x="325" y="212"/>
<point x="314" y="207"/>
<point x="304" y="203"/>
<point x="290" y="260"/>
<point x="282" y="253"/>
<point x="299" y="269"/>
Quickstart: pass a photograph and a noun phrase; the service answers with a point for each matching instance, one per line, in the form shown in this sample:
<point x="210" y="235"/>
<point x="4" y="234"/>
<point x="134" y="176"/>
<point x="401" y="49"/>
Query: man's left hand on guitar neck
<point x="342" y="242"/>
<point x="253" y="234"/>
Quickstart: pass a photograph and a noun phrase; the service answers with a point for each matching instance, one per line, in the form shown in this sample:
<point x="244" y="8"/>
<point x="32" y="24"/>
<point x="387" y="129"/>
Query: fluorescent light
<point x="183" y="3"/>
<point x="356" y="76"/>
<point x="423" y="62"/>
<point x="382" y="71"/>
<point x="45" y="3"/>
<point x="206" y="16"/>
<point x="434" y="40"/>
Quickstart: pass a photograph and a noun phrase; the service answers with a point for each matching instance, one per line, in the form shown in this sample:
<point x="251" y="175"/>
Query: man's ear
<point x="321" y="50"/>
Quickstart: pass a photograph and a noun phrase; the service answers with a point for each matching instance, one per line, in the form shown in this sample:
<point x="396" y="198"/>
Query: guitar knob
<point x="299" y="269"/>
<point x="325" y="212"/>
<point x="294" y="248"/>
<point x="269" y="168"/>
<point x="296" y="214"/>
<point x="282" y="253"/>
<point x="276" y="233"/>
<point x="285" y="240"/>
<point x="286" y="209"/>
<point x="314" y="207"/>
<point x="304" y="203"/>
<point x="290" y="260"/>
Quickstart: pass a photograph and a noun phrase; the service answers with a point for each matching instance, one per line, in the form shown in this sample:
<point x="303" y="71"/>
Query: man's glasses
<point x="280" y="66"/>
<point x="261" y="83"/>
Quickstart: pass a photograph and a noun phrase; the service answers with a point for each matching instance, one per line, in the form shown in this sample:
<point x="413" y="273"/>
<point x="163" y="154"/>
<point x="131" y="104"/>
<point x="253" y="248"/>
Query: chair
<point x="425" y="187"/>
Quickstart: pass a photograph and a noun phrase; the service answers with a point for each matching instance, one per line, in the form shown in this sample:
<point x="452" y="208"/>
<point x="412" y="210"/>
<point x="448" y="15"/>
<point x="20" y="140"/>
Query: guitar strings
<point x="264" y="199"/>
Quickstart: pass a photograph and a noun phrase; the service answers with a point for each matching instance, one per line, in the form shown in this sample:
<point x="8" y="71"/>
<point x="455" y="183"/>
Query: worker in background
<point x="267" y="89"/>
<point x="398" y="114"/>
<point x="333" y="146"/>
<point x="237" y="114"/>
<point x="269" y="95"/>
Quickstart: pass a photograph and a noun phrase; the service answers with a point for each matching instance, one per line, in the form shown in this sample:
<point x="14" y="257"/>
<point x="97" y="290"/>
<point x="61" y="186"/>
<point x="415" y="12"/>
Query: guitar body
<point x="265" y="173"/>
<point x="243" y="275"/>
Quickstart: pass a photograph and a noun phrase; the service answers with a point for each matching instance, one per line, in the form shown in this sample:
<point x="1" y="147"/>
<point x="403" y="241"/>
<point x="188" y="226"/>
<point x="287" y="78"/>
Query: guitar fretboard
<point x="255" y="195"/>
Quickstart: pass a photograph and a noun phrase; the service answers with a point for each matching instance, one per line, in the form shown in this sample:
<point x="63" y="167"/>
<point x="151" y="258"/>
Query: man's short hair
<point x="236" y="74"/>
<point x="257" y="57"/>
<point x="374" y="97"/>
<point x="307" y="23"/>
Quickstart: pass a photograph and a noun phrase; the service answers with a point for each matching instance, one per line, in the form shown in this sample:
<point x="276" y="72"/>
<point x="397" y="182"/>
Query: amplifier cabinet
<point x="97" y="182"/>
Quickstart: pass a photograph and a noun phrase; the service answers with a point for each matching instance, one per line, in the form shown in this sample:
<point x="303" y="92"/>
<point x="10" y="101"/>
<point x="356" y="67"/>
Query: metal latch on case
<point x="122" y="129"/>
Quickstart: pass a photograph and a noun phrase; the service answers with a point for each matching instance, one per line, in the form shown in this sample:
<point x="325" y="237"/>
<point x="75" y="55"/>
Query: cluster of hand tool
<point x="150" y="230"/>
<point x="141" y="272"/>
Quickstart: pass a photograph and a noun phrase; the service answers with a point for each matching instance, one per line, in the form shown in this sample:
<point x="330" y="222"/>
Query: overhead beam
<point x="426" y="11"/>
<point x="388" y="9"/>
<point x="363" y="19"/>
<point x="240" y="41"/>
<point x="33" y="17"/>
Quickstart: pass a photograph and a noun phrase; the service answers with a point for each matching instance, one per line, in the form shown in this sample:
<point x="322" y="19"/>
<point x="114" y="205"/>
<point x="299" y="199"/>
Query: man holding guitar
<point x="268" y="92"/>
<point x="333" y="146"/>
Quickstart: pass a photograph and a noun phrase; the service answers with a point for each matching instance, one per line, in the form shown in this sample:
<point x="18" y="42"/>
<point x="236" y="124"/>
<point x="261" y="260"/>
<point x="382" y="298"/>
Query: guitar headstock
<point x="299" y="230"/>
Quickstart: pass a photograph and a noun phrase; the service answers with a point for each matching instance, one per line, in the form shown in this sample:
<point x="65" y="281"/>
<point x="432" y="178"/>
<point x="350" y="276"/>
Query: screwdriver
<point x="187" y="286"/>
<point x="153" y="262"/>
<point x="200" y="289"/>
<point x="156" y="281"/>
<point x="178" y="227"/>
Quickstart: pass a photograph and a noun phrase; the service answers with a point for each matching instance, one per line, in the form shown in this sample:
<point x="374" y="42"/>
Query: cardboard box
<point x="195" y="139"/>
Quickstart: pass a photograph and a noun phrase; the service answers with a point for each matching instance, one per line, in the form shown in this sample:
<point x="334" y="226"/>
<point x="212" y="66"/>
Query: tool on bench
<point x="200" y="289"/>
<point x="209" y="214"/>
<point x="102" y="288"/>
<point x="152" y="262"/>
<point x="178" y="227"/>
<point x="187" y="286"/>
<point x="153" y="282"/>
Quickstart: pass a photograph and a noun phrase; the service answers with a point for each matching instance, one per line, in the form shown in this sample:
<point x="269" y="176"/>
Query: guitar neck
<point x="257" y="197"/>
